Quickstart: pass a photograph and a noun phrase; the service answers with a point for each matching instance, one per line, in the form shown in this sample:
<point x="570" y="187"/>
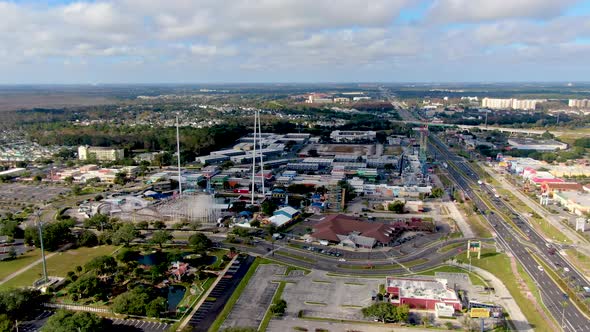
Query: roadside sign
<point x="479" y="313"/>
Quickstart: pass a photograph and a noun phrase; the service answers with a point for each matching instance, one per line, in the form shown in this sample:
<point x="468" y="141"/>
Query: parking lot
<point x="208" y="311"/>
<point x="250" y="308"/>
<point x="319" y="295"/>
<point x="14" y="196"/>
<point x="140" y="325"/>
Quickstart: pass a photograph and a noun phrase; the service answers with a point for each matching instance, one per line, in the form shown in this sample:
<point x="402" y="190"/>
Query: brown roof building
<point x="354" y="232"/>
<point x="550" y="187"/>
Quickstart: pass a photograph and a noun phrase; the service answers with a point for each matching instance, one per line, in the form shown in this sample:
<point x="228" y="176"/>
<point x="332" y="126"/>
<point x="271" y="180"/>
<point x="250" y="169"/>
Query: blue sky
<point x="183" y="41"/>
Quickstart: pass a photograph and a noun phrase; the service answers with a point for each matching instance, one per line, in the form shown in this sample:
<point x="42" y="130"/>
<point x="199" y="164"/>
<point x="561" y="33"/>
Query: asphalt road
<point x="553" y="298"/>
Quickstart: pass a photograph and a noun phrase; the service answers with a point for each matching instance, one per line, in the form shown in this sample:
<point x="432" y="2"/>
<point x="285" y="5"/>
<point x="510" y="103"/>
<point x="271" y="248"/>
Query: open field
<point x="8" y="267"/>
<point x="10" y="102"/>
<point x="59" y="265"/>
<point x="352" y="149"/>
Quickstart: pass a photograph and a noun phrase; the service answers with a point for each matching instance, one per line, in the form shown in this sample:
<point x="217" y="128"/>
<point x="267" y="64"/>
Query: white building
<point x="342" y="136"/>
<point x="521" y="104"/>
<point x="100" y="153"/>
<point x="579" y="103"/>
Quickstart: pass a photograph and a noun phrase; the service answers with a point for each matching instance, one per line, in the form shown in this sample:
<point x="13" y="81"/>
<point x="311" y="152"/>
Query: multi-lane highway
<point x="562" y="308"/>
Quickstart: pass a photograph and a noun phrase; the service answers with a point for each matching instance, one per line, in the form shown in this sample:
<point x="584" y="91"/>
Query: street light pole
<point x="40" y="227"/>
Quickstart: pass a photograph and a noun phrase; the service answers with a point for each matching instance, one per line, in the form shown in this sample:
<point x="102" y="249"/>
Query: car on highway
<point x="565" y="269"/>
<point x="540" y="268"/>
<point x="342" y="260"/>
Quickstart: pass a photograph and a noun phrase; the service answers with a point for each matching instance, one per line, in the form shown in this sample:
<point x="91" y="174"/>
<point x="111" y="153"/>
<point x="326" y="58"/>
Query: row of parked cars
<point x="323" y="251"/>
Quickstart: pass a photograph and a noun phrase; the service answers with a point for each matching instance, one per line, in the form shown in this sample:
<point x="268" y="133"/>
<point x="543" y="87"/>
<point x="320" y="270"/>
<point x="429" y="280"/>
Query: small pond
<point x="175" y="295"/>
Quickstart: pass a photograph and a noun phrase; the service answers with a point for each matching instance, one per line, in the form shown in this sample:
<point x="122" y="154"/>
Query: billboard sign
<point x="479" y="313"/>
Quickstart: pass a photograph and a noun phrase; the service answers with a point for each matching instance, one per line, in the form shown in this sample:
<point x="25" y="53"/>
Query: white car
<point x="540" y="268"/>
<point x="566" y="269"/>
<point x="342" y="260"/>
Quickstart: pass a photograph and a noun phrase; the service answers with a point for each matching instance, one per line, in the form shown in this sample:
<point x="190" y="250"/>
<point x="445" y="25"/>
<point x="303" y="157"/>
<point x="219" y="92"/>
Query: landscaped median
<point x="564" y="287"/>
<point x="384" y="266"/>
<point x="268" y="316"/>
<point x="294" y="256"/>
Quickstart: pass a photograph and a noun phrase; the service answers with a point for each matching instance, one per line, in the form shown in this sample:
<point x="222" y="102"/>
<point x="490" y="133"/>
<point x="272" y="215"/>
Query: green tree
<point x="200" y="243"/>
<point x="403" y="313"/>
<point x="159" y="224"/>
<point x="125" y="233"/>
<point x="278" y="308"/>
<point x="142" y="224"/>
<point x="437" y="192"/>
<point x="86" y="286"/>
<point x="5" y="323"/>
<point x="382" y="311"/>
<point x="67" y="321"/>
<point x="120" y="178"/>
<point x="160" y="237"/>
<point x="98" y="221"/>
<point x="397" y="206"/>
<point x="20" y="303"/>
<point x="54" y="234"/>
<point x="87" y="239"/>
<point x="268" y="207"/>
<point x="132" y="302"/>
<point x="102" y="265"/>
<point x="156" y="307"/>
<point x="127" y="255"/>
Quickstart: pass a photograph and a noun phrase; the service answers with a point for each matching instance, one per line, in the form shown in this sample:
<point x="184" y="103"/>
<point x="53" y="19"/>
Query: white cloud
<point x="286" y="38"/>
<point x="491" y="10"/>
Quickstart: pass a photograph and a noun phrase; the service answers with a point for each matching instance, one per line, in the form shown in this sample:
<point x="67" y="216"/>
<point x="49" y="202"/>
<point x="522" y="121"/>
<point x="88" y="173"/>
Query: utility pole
<point x="40" y="226"/>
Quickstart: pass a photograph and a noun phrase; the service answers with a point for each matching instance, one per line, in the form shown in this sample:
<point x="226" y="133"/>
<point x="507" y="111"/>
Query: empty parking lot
<point x="250" y="308"/>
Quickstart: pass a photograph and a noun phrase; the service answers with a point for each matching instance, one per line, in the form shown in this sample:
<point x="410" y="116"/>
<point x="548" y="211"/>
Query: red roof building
<point x="354" y="232"/>
<point x="550" y="187"/>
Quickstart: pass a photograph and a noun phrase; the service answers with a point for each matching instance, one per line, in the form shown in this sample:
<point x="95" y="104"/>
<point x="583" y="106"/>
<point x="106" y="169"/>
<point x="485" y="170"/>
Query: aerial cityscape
<point x="322" y="166"/>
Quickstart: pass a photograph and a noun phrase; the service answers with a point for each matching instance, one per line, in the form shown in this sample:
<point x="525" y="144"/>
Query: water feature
<point x="174" y="296"/>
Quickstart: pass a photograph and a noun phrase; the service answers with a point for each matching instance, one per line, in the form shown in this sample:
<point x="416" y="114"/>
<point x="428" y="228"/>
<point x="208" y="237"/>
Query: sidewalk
<point x="204" y="296"/>
<point x="39" y="261"/>
<point x="581" y="243"/>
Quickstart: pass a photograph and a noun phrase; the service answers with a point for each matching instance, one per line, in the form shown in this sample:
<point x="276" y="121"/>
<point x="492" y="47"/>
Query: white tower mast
<point x="178" y="158"/>
<point x="261" y="156"/>
<point x="254" y="163"/>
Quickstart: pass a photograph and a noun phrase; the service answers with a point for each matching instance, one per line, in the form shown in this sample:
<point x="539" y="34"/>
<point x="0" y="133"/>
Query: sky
<point x="217" y="41"/>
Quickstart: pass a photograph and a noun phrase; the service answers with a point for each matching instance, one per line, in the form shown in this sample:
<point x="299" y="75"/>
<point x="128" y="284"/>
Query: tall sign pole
<point x="40" y="226"/>
<point x="178" y="158"/>
<point x="254" y="162"/>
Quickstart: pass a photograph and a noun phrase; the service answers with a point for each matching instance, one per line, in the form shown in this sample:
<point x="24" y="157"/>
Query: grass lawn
<point x="8" y="267"/>
<point x="234" y="297"/>
<point x="477" y="224"/>
<point x="580" y="260"/>
<point x="450" y="247"/>
<point x="297" y="257"/>
<point x="499" y="265"/>
<point x="383" y="267"/>
<point x="219" y="254"/>
<point x="59" y="265"/>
